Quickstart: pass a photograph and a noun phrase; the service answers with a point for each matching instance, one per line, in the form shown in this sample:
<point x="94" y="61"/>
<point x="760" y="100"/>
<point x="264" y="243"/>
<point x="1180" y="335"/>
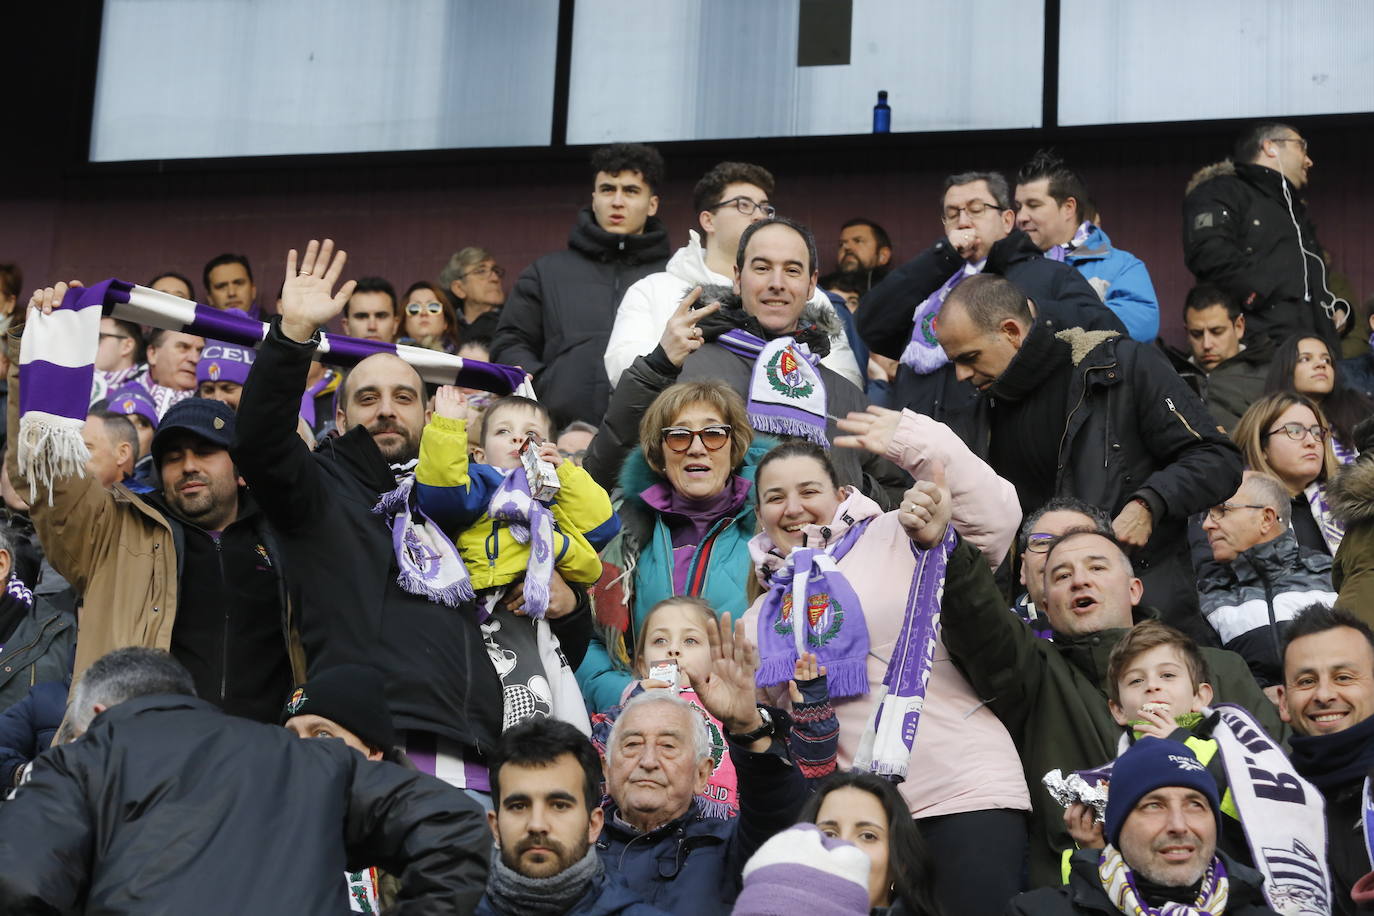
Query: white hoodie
<point x="646" y="307"/>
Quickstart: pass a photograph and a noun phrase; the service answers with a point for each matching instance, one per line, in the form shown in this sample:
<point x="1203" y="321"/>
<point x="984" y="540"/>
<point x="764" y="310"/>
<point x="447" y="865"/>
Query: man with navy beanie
<point x="1161" y="857"/>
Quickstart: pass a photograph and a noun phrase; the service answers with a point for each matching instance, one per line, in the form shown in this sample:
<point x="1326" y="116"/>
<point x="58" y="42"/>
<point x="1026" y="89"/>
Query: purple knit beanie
<point x="803" y="871"/>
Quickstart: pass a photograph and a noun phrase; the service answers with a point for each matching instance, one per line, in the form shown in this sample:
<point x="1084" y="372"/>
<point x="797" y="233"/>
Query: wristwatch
<point x="763" y="731"/>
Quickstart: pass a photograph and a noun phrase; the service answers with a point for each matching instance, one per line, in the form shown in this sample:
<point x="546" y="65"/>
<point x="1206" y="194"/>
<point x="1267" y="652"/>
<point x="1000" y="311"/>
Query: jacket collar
<point x="855" y="508"/>
<point x="587" y="238"/>
<point x="1013" y="249"/>
<point x="161" y="701"/>
<point x="359" y="456"/>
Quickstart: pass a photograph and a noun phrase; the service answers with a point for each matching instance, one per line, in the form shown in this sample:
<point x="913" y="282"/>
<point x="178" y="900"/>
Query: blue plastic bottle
<point x="882" y="114"/>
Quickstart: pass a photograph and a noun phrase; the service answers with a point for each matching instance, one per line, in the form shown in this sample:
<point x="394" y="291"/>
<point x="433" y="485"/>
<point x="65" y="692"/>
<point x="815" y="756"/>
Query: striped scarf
<point x="1331" y="528"/>
<point x="1119" y="882"/>
<point x="1061" y="252"/>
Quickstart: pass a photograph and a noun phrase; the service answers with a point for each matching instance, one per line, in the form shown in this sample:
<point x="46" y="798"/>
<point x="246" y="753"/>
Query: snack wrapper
<point x="542" y="476"/>
<point x="1074" y="788"/>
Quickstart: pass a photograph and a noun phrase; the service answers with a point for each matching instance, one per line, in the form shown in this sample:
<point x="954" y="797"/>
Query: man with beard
<point x="356" y="604"/>
<point x="546" y="783"/>
<point x="1163" y="815"/>
<point x="191" y="567"/>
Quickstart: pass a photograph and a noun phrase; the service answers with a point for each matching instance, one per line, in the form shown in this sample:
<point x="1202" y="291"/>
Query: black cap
<point x="211" y="420"/>
<point x="354" y="696"/>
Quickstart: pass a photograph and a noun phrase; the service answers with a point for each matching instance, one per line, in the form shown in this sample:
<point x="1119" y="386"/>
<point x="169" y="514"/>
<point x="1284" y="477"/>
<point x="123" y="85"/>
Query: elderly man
<point x="898" y="316"/>
<point x="473" y="280"/>
<point x="192" y="567"/>
<point x="219" y="798"/>
<point x="1328" y="698"/>
<point x="1049" y="694"/>
<point x="344" y="563"/>
<point x="1163" y="816"/>
<point x="171" y="375"/>
<point x="1259" y="577"/>
<point x="1039" y="531"/>
<point x="658" y="757"/>
<point x="1069" y="412"/>
<point x="546" y="783"/>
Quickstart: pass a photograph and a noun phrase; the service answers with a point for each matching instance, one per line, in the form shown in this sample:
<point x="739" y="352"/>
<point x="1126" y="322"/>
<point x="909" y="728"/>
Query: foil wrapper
<point x="1074" y="788"/>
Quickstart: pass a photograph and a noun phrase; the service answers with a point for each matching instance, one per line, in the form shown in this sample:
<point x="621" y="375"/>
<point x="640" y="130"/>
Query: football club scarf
<point x="1119" y="882"/>
<point x="143" y="305"/>
<point x="530" y="522"/>
<point x="786" y="394"/>
<point x="428" y="564"/>
<point x="811" y="607"/>
<point x="1332" y="530"/>
<point x="56" y="370"/>
<point x="923" y="353"/>
<point x="885" y="748"/>
<point x="1061" y="252"/>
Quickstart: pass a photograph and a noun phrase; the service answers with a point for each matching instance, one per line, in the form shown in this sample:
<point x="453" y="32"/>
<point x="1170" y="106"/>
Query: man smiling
<point x="1328" y="698"/>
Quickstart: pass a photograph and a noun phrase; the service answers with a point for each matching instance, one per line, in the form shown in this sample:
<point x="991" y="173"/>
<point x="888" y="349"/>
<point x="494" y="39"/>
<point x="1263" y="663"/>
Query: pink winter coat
<point x="963" y="759"/>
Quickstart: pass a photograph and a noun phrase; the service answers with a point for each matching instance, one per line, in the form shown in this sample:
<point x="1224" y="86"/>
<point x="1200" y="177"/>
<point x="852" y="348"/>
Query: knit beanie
<point x="1149" y="764"/>
<point x="353" y="696"/>
<point x="801" y="870"/>
<point x="132" y="399"/>
<point x="222" y="362"/>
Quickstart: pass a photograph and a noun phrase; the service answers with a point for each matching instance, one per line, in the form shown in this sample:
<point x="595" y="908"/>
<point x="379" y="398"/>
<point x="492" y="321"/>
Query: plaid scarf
<point x="786" y="393"/>
<point x="1119" y="882"/>
<point x="923" y="353"/>
<point x="1061" y="252"/>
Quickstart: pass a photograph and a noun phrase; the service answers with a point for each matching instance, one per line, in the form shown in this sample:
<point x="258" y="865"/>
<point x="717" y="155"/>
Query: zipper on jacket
<point x="1169" y="402"/>
<point x="696" y="580"/>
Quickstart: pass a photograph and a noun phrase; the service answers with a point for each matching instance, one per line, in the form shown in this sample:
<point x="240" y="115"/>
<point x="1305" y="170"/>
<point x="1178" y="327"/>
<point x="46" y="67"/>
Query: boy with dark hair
<point x="558" y="317"/>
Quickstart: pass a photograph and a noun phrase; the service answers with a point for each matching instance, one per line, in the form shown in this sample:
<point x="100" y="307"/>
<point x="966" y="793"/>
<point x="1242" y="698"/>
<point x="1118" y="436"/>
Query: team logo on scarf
<point x="818" y="607"/>
<point x="297" y="700"/>
<point x="785" y="376"/>
<point x="423" y="558"/>
<point x="927" y="326"/>
<point x="1298" y="881"/>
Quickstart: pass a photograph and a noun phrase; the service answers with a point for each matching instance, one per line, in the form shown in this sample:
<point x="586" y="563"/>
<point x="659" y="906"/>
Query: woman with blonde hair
<point x="1286" y="435"/>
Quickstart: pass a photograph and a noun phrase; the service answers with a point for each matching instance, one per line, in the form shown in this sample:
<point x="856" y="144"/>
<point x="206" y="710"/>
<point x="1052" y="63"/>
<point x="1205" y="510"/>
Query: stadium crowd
<point x="929" y="586"/>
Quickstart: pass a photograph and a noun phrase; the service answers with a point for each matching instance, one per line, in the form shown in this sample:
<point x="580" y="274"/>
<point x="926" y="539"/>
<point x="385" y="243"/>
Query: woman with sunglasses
<point x="1287" y="435"/>
<point x="427" y="319"/>
<point x="1304" y="364"/>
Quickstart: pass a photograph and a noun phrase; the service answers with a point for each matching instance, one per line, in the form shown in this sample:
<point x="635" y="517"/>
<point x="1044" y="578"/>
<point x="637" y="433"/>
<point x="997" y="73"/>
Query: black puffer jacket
<point x="1238" y="234"/>
<point x="166" y="805"/>
<point x="1085" y="896"/>
<point x="558" y="318"/>
<point x="884" y="319"/>
<point x="341" y="565"/>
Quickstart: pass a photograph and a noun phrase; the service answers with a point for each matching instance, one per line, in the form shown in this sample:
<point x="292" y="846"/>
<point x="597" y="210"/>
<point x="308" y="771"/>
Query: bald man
<point x="441" y="687"/>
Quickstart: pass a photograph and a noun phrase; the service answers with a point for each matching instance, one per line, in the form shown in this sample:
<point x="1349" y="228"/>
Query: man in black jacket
<point x="441" y="685"/>
<point x="980" y="236"/>
<point x="558" y="318"/>
<point x="1095" y="415"/>
<point x="1227" y="372"/>
<point x="166" y="805"/>
<point x="1246" y="230"/>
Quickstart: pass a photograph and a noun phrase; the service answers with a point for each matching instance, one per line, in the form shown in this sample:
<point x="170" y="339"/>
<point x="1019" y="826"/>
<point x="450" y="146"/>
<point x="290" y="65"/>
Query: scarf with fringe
<point x="787" y="396"/>
<point x="428" y="564"/>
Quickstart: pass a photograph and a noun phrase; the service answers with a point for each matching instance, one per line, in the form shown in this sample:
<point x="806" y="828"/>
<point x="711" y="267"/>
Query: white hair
<point x="701" y="739"/>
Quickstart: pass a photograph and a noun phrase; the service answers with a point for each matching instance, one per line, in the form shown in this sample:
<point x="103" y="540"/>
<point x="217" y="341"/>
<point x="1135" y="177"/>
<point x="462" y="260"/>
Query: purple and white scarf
<point x="428" y="563"/>
<point x="923" y="353"/>
<point x="786" y="394"/>
<point x="530" y="522"/>
<point x="56" y="370"/>
<point x="161" y="310"/>
<point x="891" y="733"/>
<point x="20" y="592"/>
<point x="1061" y="252"/>
<point x="162" y="397"/>
<point x="1119" y="883"/>
<point x="1333" y="532"/>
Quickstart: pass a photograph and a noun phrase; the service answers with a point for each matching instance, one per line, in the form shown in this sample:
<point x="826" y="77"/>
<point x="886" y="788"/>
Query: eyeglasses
<point x="973" y="208"/>
<point x="1296" y="431"/>
<point x="484" y="270"/>
<point x="1040" y="542"/>
<point x="414" y="308"/>
<point x="679" y="438"/>
<point x="746" y="206"/>
<point x="1217" y="513"/>
<point x="1302" y="144"/>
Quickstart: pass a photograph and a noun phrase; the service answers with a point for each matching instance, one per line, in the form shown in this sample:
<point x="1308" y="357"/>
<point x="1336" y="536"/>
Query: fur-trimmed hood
<point x="1082" y="342"/>
<point x="813" y="313"/>
<point x="1351" y="494"/>
<point x="1208" y="172"/>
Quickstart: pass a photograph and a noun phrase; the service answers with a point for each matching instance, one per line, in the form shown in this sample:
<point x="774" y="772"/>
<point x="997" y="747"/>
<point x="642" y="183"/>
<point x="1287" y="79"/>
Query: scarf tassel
<point x="847" y="677"/>
<point x="788" y="426"/>
<point x="453" y="594"/>
<point x="50" y="448"/>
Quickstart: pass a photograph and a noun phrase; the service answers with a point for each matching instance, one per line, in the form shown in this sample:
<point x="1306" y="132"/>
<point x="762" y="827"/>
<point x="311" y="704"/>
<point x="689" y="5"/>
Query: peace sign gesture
<point x="306" y="301"/>
<point x="681" y="336"/>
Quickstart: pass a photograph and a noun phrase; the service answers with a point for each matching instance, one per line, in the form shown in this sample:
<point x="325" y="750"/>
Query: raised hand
<point x="870" y="429"/>
<point x="926" y="509"/>
<point x="50" y="297"/>
<point x="306" y="300"/>
<point x="681" y="336"/>
<point x="450" y="403"/>
<point x="807" y="668"/>
<point x="727" y="691"/>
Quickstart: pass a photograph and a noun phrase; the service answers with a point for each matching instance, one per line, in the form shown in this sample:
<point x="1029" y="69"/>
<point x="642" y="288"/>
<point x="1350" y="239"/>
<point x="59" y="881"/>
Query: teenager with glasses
<point x="684" y="464"/>
<point x="1287" y="435"/>
<point x="427" y="319"/>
